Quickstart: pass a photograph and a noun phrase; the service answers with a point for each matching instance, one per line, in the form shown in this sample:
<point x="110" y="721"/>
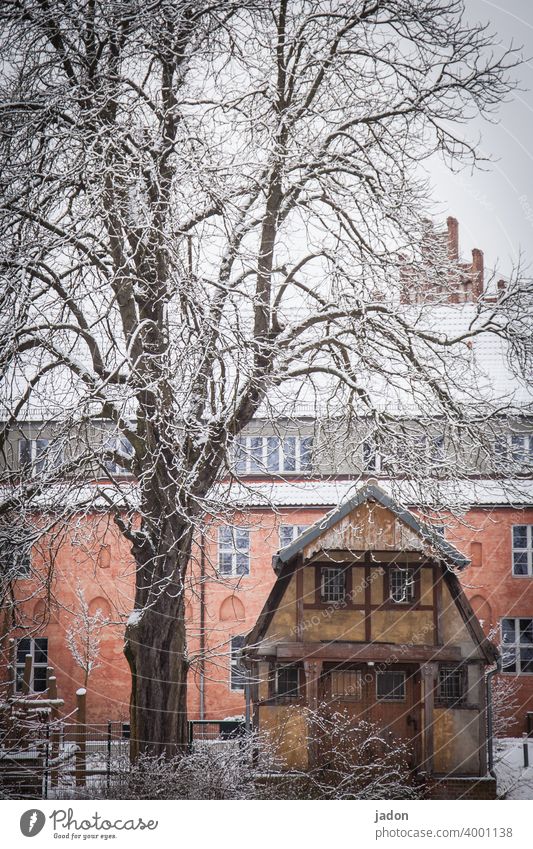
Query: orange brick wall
<point x="93" y="554"/>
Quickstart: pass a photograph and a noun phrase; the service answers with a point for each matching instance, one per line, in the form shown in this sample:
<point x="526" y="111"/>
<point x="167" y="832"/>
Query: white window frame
<point x="259" y="455"/>
<point x="40" y="455"/>
<point x="516" y="646"/>
<point x="528" y="551"/>
<point x="234" y="657"/>
<point x="19" y="666"/>
<point x="327" y="586"/>
<point x="407" y="574"/>
<point x="292" y="531"/>
<point x="233" y="548"/>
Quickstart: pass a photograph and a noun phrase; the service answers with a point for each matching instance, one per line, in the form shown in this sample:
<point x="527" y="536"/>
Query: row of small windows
<point x="260" y="454"/>
<point x="348" y="684"/>
<point x="288" y="454"/>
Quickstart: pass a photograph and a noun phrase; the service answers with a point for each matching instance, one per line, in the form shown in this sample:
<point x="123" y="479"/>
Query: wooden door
<point x="352" y="695"/>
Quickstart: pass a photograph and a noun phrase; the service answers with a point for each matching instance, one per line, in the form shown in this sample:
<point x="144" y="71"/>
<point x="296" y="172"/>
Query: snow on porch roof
<point x="371" y="492"/>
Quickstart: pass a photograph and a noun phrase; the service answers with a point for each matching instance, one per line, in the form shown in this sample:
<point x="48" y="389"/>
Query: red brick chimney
<point x="453" y="238"/>
<point x="477" y="273"/>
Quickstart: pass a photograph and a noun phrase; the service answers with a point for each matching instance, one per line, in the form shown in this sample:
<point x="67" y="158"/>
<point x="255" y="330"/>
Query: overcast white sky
<point x="495" y="207"/>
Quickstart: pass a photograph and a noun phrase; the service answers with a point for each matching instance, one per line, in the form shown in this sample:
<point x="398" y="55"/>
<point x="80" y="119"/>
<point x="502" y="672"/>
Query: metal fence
<point x="66" y="760"/>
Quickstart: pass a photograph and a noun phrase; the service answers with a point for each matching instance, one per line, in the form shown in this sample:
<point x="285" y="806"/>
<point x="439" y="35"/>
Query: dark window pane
<point x="526" y="630"/>
<point x="402" y="585"/>
<point x="526" y="660"/>
<point x="306" y="453"/>
<point x="41" y="650"/>
<point x="508" y="630"/>
<point x="286" y="535"/>
<point x="289" y="454"/>
<point x="509" y="659"/>
<point x="520" y="563"/>
<point x="225" y="562"/>
<point x="273" y="448"/>
<point x="23" y="648"/>
<point x="225" y="538"/>
<point x="238" y="673"/>
<point x="24" y="452"/>
<point x="240" y="455"/>
<point x="242" y="564"/>
<point x="450" y="688"/>
<point x="287" y="682"/>
<point x="39" y="679"/>
<point x="256" y="450"/>
<point x="369" y="456"/>
<point x="332" y="586"/>
<point x="242" y="539"/>
<point x="520" y="536"/>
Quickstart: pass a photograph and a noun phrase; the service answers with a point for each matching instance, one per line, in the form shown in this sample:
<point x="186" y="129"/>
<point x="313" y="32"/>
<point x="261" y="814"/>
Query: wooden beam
<point x="428" y="701"/>
<point x="299" y="597"/>
<point x="388" y="652"/>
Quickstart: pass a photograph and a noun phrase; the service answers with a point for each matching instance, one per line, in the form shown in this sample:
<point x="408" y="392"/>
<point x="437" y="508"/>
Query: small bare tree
<point x="83" y="636"/>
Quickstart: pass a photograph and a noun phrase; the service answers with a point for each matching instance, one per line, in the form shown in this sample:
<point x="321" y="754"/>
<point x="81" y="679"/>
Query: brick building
<point x="292" y="473"/>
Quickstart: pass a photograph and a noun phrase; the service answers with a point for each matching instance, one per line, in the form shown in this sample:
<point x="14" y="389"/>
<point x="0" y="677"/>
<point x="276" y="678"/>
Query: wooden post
<point x="11" y="669"/>
<point x="54" y="735"/>
<point x="312" y="669"/>
<point x="428" y="684"/>
<point x="482" y="719"/>
<point x="81" y="737"/>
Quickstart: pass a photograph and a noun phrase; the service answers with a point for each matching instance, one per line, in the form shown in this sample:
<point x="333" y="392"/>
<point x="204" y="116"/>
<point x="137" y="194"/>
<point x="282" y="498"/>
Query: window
<point x="522" y="550"/>
<point x="38" y="649"/>
<point x="15" y="554"/>
<point x="263" y="454"/>
<point x="517" y="645"/>
<point x="332" y="583"/>
<point x="451" y="686"/>
<point x="402" y="585"/>
<point x="390" y="686"/>
<point x="436" y="449"/>
<point x="346" y="684"/>
<point x="287" y="682"/>
<point x="39" y="455"/>
<point x="371" y="458"/>
<point x="237" y="673"/>
<point x="522" y="448"/>
<point x="119" y="445"/>
<point x="233" y="551"/>
<point x="288" y="533"/>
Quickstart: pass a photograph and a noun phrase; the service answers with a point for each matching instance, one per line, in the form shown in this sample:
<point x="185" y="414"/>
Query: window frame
<point x="286" y="696"/>
<point x="38" y="459"/>
<point x="395" y="568"/>
<point x="18" y="681"/>
<point x="344" y="571"/>
<point x="516" y="645"/>
<point x="381" y="672"/>
<point x="234" y="657"/>
<point x="528" y="551"/>
<point x="450" y="701"/>
<point x="521" y="455"/>
<point x="297" y="530"/>
<point x="252" y="454"/>
<point x="231" y="548"/>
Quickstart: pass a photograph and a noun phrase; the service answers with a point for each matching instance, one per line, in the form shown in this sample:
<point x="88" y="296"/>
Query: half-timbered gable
<point x="368" y="616"/>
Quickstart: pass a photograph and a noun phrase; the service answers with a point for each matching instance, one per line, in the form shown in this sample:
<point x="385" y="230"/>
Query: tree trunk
<point x="156" y="648"/>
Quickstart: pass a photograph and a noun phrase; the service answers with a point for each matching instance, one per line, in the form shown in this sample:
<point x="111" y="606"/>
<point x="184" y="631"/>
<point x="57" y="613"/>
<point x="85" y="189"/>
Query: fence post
<point x="108" y="778"/>
<point x="46" y="760"/>
<point x="52" y="694"/>
<point x="525" y="750"/>
<point x="81" y="737"/>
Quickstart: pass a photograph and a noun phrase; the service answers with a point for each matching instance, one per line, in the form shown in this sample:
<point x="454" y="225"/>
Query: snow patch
<point x="135" y="617"/>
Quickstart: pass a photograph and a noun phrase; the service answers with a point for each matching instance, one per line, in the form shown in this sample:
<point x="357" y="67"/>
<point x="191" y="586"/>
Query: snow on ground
<point x="514" y="780"/>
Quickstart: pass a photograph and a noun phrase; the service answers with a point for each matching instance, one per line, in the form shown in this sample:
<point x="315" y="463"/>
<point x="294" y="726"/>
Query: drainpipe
<point x="490" y="732"/>
<point x="202" y="624"/>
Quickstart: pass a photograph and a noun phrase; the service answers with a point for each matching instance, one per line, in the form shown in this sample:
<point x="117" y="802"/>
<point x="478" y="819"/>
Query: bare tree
<point x="83" y="637"/>
<point x="211" y="208"/>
